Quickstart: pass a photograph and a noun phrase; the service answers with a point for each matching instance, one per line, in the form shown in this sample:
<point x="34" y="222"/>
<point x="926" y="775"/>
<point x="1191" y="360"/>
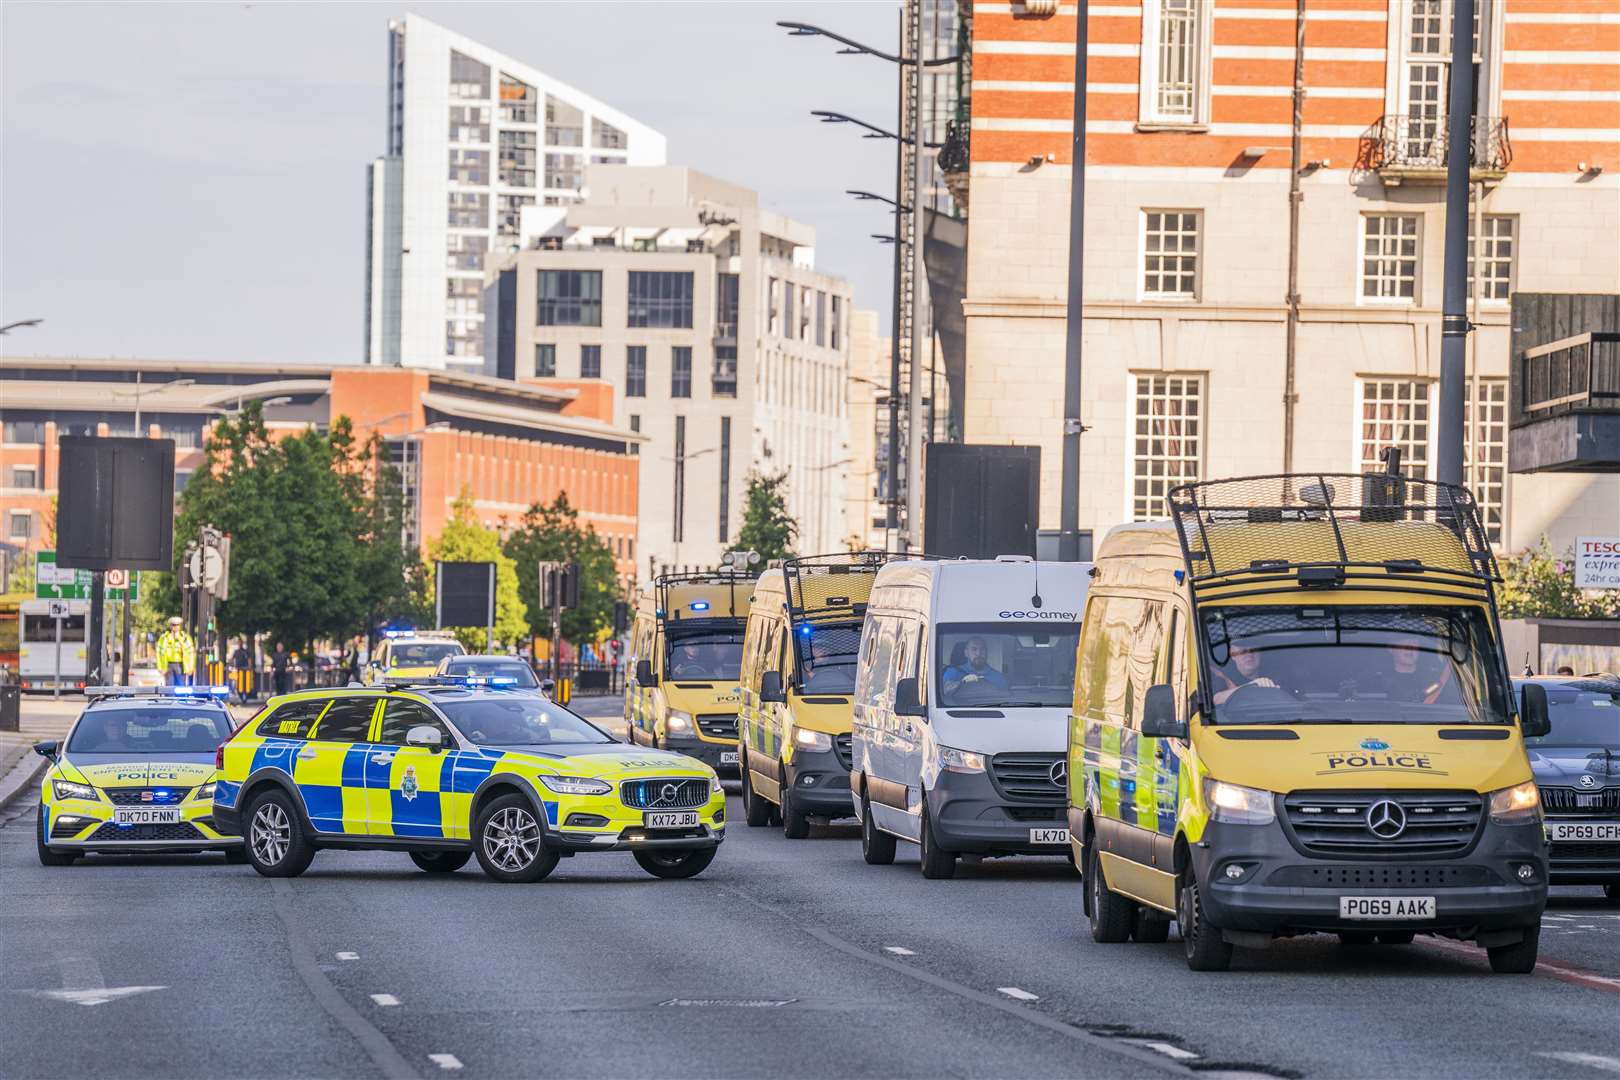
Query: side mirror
<point x="1534" y="718"/>
<point x="644" y="674"/>
<point x="425" y="735"/>
<point x="47" y="749"/>
<point x="770" y="687"/>
<point x="1159" y="720"/>
<point x="907" y="701"/>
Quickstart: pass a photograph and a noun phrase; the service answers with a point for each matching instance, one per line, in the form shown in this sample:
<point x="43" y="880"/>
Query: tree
<point x="1539" y="583"/>
<point x="465" y="540"/>
<point x="554" y="534"/>
<point x="767" y="526"/>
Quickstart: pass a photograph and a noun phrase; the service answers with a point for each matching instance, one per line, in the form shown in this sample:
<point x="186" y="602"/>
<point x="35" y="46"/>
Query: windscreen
<point x="423" y="654"/>
<point x="1365" y="665"/>
<point x="519" y="720"/>
<point x="1581" y="718"/>
<point x="150" y="731"/>
<point x="705" y="654"/>
<point x="827" y="655"/>
<point x="1006" y="665"/>
<point x="506" y="669"/>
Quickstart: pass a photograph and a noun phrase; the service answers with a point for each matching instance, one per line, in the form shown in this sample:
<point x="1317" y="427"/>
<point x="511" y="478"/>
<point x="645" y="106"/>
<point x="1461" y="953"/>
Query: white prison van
<point x="962" y="698"/>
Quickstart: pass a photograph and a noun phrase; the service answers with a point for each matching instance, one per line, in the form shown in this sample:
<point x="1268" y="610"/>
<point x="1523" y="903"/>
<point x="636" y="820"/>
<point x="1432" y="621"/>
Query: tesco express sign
<point x="1597" y="562"/>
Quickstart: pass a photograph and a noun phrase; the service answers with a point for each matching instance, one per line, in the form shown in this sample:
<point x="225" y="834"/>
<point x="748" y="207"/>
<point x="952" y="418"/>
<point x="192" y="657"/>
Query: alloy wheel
<point x="272" y="834"/>
<point x="512" y="839"/>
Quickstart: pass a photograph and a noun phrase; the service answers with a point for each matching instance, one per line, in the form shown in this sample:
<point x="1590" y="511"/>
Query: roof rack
<point x="1332" y="530"/>
<point x="824" y="587"/>
<point x="182" y="693"/>
<point x="723" y="577"/>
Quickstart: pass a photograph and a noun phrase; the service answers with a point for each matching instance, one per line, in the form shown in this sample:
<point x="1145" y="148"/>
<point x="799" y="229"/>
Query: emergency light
<point x="700" y="605"/>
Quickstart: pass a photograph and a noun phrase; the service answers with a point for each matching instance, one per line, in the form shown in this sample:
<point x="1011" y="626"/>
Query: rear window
<point x="348" y="720"/>
<point x="291" y="721"/>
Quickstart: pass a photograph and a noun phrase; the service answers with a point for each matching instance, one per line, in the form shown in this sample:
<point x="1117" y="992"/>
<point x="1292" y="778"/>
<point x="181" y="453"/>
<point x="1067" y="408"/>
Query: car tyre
<point x="1206" y="949"/>
<point x="1518" y="958"/>
<point x="47" y="857"/>
<point x="937" y="864"/>
<point x="1150" y="927"/>
<point x="675" y="864"/>
<point x="511" y="842"/>
<point x="877" y="846"/>
<point x="756" y="811"/>
<point x="795" y="824"/>
<point x="274" y="838"/>
<point x="440" y="862"/>
<point x="1112" y="915"/>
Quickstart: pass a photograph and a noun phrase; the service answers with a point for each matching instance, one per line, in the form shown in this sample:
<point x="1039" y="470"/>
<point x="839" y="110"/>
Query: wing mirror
<point x="907" y="700"/>
<point x="770" y="687"/>
<point x="1534" y="718"/>
<point x="644" y="674"/>
<point x="1159" y="720"/>
<point x="47" y="749"/>
<point x="425" y="735"/>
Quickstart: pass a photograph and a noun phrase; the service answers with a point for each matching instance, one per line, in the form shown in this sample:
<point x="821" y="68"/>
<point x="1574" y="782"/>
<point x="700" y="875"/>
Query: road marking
<point x="1172" y="1051"/>
<point x="1543" y="967"/>
<point x="727" y="1003"/>
<point x="1014" y="992"/>
<point x="1571" y="1057"/>
<point x="385" y="999"/>
<point x="98" y="996"/>
<point x="348" y="956"/>
<point x="445" y="1061"/>
<point x="898" y="951"/>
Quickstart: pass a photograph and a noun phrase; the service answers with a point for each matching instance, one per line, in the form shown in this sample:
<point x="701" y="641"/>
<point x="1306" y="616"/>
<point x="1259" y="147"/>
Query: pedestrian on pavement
<point x="279" y="663"/>
<point x="176" y="654"/>
<point x="242" y="665"/>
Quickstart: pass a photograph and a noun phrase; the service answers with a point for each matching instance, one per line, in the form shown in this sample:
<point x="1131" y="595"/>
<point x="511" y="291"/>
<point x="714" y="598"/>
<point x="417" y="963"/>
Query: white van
<point x="962" y="698"/>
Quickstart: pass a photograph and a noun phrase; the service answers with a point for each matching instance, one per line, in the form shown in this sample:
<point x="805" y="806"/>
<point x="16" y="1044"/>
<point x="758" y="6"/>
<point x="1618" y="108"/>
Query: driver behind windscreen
<point x="1415" y="676"/>
<point x="970" y="666"/>
<point x="819" y="666"/>
<point x="691" y="661"/>
<point x="1241" y="669"/>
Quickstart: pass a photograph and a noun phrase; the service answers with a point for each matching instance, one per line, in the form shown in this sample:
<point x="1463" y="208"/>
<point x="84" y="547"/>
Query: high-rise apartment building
<point x="474" y="136"/>
<point x="727" y="348"/>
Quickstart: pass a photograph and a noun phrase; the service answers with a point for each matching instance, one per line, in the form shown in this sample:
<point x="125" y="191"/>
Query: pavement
<point x="791" y="958"/>
<point x="40" y="718"/>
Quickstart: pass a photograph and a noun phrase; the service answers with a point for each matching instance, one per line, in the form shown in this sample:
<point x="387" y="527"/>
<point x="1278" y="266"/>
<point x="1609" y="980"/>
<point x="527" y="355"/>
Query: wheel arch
<point x="271" y="778"/>
<point x="497" y="784"/>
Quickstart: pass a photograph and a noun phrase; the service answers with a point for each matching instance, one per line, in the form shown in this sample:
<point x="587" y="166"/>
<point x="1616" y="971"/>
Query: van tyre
<point x="47" y="857"/>
<point x="1112" y="916"/>
<point x="756" y="811"/>
<point x="937" y="863"/>
<point x="440" y="862"/>
<point x="1518" y="958"/>
<point x="1206" y="949"/>
<point x="275" y="840"/>
<point x="511" y="842"/>
<point x="1150" y="927"/>
<point x="675" y="864"/>
<point x="795" y="823"/>
<point x="877" y="846"/>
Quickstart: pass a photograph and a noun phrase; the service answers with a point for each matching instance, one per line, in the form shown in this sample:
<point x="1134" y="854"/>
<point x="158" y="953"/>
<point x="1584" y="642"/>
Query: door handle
<point x="1161" y="751"/>
<point x="382" y="759"/>
<point x="307" y="754"/>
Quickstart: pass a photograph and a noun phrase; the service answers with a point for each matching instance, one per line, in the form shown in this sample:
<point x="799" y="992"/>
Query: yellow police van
<point x="685" y="655"/>
<point x="798" y="679"/>
<point x="1292" y="714"/>
<point x="410" y="654"/>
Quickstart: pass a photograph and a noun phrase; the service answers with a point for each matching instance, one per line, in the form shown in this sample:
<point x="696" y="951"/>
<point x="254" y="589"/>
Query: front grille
<point x="1564" y="802"/>
<point x="1029" y="777"/>
<point x="66" y="829"/>
<point x="665" y="793"/>
<point x="1585" y="851"/>
<point x="844" y="747"/>
<point x="1380" y="877"/>
<point x="718" y="725"/>
<point x="182" y="831"/>
<point x="146" y="796"/>
<point x="1035" y="813"/>
<point x="1336" y="822"/>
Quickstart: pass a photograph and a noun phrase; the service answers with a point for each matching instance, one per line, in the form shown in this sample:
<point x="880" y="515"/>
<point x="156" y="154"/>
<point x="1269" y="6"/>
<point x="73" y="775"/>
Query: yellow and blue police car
<point x="410" y="654"/>
<point x="135" y="774"/>
<point x="456" y="767"/>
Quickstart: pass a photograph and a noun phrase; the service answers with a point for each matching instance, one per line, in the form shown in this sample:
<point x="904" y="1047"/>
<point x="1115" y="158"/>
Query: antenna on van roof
<point x="1035" y="601"/>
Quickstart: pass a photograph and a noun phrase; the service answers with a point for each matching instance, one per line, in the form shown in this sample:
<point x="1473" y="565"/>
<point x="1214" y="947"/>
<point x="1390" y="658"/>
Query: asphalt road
<point x="788" y="958"/>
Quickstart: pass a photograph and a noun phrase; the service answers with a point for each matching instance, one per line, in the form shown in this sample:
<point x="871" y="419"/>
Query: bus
<point x="38" y="666"/>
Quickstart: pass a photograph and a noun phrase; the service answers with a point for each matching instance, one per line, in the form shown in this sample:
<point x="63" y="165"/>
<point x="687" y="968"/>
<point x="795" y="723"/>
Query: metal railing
<point x="1573" y="374"/>
<point x="1413" y="142"/>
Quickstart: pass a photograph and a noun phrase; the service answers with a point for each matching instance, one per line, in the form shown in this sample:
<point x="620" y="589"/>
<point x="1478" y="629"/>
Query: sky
<point x="187" y="181"/>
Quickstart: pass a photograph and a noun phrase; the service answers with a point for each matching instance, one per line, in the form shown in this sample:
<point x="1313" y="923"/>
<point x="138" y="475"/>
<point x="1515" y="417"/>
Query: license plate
<point x="1585" y="830"/>
<point x="671" y="819"/>
<point x="142" y="815"/>
<point x="1386" y="907"/>
<point x="1049" y="836"/>
<point x="728" y="757"/>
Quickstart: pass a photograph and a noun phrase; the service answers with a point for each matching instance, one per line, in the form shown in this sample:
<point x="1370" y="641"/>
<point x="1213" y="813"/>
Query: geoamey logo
<point x="1386" y="819"/>
<point x="1044" y="616"/>
<point x="1587" y="780"/>
<point x="1374" y="744"/>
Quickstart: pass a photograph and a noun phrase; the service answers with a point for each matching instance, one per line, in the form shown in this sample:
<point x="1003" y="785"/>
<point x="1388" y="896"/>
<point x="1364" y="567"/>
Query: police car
<point x="136" y="774"/>
<point x="410" y="654"/>
<point x="456" y="767"/>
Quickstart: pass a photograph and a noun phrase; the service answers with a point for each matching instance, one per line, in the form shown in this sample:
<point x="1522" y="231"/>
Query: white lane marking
<point x="385" y="999"/>
<point x="1596" y="1061"/>
<point x="445" y="1061"/>
<point x="348" y="956"/>
<point x="898" y="951"/>
<point x="1171" y="1051"/>
<point x="1014" y="992"/>
<point x="98" y="996"/>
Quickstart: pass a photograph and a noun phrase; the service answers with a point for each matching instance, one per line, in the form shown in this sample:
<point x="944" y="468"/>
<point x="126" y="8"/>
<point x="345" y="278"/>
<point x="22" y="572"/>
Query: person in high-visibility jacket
<point x="176" y="654"/>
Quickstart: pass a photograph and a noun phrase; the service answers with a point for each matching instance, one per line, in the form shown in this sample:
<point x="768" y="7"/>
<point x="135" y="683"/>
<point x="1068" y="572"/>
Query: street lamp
<point x="141" y="390"/>
<point x="19" y="323"/>
<point x="827" y="116"/>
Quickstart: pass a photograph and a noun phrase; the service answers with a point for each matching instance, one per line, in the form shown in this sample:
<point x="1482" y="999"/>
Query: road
<point x="791" y="958"/>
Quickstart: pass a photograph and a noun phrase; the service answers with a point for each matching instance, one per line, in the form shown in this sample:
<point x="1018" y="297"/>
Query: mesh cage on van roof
<point x="823" y="587"/>
<point x="725" y="584"/>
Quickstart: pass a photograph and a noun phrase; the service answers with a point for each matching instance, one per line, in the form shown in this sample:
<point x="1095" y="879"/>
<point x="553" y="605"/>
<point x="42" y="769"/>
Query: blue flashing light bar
<point x="199" y="691"/>
<point x="399" y="631"/>
<point x="475" y="680"/>
<point x="700" y="605"/>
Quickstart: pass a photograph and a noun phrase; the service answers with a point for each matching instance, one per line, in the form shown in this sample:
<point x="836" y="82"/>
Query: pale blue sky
<point x="188" y="180"/>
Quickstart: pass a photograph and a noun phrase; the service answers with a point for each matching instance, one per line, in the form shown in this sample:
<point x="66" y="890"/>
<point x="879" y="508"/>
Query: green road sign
<point x="54" y="583"/>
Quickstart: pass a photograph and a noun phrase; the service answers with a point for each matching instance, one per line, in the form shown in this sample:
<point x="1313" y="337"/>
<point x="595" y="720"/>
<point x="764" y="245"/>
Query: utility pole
<point x="1296" y="164"/>
<point x="1069" y="524"/>
<point x="919" y="286"/>
<point x="1454" y="325"/>
<point x="892" y="522"/>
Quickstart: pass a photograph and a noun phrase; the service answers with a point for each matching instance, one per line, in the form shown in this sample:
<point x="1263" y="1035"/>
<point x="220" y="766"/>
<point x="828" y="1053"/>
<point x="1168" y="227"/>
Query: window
<point x="565" y="171"/>
<point x="635" y="371"/>
<point x="605" y="136"/>
<point x="1486" y="453"/>
<point x="348" y="720"/>
<point x="679" y="532"/>
<point x="291" y="721"/>
<point x="1423" y="39"/>
<point x="469" y="166"/>
<point x="773" y="299"/>
<point x="24" y="476"/>
<point x="545" y="361"/>
<point x="570" y="298"/>
<point x="680" y="372"/>
<point x="1175" y="62"/>
<point x="1170" y="253"/>
<point x="464" y="251"/>
<point x="836" y="337"/>
<point x="1168" y="440"/>
<point x="509" y="213"/>
<point x="565" y="124"/>
<point x="724" y="383"/>
<point x="400" y="716"/>
<point x="1395" y="412"/>
<point x="518" y="101"/>
<point x="661" y="298"/>
<point x="725" y="308"/>
<point x="469" y="123"/>
<point x="468" y="77"/>
<point x="1494" y="256"/>
<point x="635" y="422"/>
<point x="24" y="431"/>
<point x="590" y="361"/>
<point x="725" y="479"/>
<point x="1389" y="257"/>
<point x="804" y="313"/>
<point x="519" y="150"/>
<point x="20" y="524"/>
<point x="821" y="319"/>
<point x="788" y="325"/>
<point x="468" y="210"/>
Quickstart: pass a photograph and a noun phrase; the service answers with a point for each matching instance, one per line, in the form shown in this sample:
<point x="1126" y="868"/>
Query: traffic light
<point x="621" y="618"/>
<point x="559" y="585"/>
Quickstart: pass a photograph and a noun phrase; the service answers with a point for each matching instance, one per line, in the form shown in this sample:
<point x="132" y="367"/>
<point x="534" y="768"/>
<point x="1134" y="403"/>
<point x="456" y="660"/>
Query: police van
<point x="405" y="655"/>
<point x="962" y="695"/>
<point x="685" y="656"/>
<point x="1292" y="715"/>
<point x="798" y="677"/>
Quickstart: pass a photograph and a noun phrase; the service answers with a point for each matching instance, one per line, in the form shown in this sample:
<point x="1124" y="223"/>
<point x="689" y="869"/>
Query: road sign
<point x="58" y="609"/>
<point x="207" y="571"/>
<point x="52" y="582"/>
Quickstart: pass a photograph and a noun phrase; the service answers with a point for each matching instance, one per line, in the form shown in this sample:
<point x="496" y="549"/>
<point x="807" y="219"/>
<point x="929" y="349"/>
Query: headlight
<point x="67" y="789"/>
<point x="1516" y="805"/>
<point x="1238" y="805"/>
<point x="576" y="785"/>
<point x="715" y="787"/>
<point x="204" y="792"/>
<point x="811" y="740"/>
<point x="960" y="760"/>
<point x="678" y="721"/>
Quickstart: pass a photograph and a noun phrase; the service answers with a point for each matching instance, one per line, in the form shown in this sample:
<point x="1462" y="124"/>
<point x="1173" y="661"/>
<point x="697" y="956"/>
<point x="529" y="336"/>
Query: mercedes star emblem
<point x="1059" y="774"/>
<point x="1385" y="819"/>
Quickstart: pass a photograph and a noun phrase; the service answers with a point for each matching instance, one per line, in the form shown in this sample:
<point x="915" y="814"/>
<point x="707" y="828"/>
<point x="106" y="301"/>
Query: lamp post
<point x="678" y="526"/>
<point x="140" y="391"/>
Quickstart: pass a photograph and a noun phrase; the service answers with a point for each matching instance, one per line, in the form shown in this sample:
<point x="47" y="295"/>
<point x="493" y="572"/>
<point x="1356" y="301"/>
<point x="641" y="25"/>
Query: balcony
<point x="1414" y="150"/>
<point x="1566" y="392"/>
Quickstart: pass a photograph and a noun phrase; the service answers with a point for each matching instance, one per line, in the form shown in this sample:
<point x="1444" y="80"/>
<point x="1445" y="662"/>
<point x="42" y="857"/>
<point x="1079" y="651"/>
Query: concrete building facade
<point x="726" y="347"/>
<point x="1187" y="237"/>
